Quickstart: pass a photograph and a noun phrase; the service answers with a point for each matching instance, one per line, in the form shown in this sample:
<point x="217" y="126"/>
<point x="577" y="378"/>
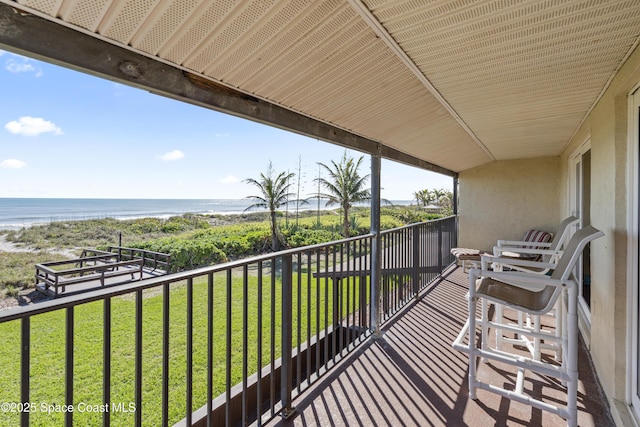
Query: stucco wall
<point x="504" y="199"/>
<point x="607" y="129"/>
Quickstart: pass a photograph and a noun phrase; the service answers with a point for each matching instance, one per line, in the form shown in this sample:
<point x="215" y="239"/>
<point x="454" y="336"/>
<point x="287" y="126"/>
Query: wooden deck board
<point x="411" y="376"/>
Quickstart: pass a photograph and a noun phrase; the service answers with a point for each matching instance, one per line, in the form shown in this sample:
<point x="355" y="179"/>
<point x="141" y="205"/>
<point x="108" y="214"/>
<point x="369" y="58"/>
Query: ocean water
<point x="16" y="213"/>
<point x="23" y="212"/>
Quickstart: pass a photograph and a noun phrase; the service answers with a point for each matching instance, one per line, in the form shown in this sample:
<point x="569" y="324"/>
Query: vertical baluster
<point x="138" y="361"/>
<point x="106" y="359"/>
<point x="259" y="347"/>
<point x="340" y="300"/>
<point x="286" y="336"/>
<point x="68" y="416"/>
<point x="439" y="247"/>
<point x="272" y="385"/>
<point x="25" y="366"/>
<point x="209" y="348"/>
<point x="317" y="305"/>
<point x="391" y="282"/>
<point x="245" y="340"/>
<point x="299" y="322"/>
<point x="309" y="256"/>
<point x="362" y="287"/>
<point x="228" y="352"/>
<point x="326" y="305"/>
<point x="165" y="354"/>
<point x="385" y="284"/>
<point x="424" y="261"/>
<point x="347" y="305"/>
<point x="416" y="259"/>
<point x="337" y="282"/>
<point x="189" y="373"/>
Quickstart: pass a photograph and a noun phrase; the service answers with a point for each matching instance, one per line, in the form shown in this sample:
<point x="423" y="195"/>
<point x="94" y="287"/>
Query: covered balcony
<point x="530" y="107"/>
<point x="206" y="347"/>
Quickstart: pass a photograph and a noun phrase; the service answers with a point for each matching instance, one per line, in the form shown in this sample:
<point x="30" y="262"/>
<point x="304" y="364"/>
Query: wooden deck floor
<point x="412" y="377"/>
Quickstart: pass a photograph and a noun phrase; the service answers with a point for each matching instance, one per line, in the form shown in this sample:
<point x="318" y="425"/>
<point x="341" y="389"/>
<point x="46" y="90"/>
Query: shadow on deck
<point x="411" y="376"/>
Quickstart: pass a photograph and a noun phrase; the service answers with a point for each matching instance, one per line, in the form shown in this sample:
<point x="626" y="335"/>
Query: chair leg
<point x="559" y="327"/>
<point x="484" y="325"/>
<point x="536" y="340"/>
<point x="472" y="346"/>
<point x="571" y="356"/>
<point x="499" y="318"/>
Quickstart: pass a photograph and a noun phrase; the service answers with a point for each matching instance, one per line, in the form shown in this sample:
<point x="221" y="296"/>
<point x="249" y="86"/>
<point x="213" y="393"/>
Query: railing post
<point x="416" y="260"/>
<point x="286" y="382"/>
<point x="376" y="244"/>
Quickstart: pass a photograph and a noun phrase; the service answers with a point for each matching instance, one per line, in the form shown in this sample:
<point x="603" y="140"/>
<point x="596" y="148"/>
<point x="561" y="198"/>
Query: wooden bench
<point x="96" y="267"/>
<point x="150" y="259"/>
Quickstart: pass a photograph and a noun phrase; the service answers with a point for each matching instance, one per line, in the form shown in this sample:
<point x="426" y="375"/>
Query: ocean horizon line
<point x="16" y="213"/>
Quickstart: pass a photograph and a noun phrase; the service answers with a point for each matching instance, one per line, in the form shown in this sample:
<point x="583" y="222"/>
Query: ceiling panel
<point x="455" y="83"/>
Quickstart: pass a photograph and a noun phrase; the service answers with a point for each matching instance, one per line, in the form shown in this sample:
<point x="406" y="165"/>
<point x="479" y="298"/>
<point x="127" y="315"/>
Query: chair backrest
<point x="573" y="250"/>
<point x="559" y="238"/>
<point x="561" y="233"/>
<point x="541" y="302"/>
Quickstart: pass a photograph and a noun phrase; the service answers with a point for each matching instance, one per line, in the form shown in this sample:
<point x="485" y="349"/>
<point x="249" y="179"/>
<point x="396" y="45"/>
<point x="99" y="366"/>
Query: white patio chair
<point x="541" y="259"/>
<point x="532" y="239"/>
<point x="524" y="256"/>
<point x="533" y="294"/>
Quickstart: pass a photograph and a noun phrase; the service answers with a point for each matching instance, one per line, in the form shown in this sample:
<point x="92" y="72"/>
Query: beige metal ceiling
<point x="456" y="83"/>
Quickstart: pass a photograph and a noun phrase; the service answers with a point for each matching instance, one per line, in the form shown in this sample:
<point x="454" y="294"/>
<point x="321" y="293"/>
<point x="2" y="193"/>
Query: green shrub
<point x="186" y="254"/>
<point x="306" y="237"/>
<point x="209" y="246"/>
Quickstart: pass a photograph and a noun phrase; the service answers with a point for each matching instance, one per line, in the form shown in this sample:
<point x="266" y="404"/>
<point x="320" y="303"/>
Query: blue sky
<point x="69" y="134"/>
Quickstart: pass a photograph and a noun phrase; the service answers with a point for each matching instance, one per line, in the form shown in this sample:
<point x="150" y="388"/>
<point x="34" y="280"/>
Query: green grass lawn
<point x="48" y="344"/>
<point x="48" y="330"/>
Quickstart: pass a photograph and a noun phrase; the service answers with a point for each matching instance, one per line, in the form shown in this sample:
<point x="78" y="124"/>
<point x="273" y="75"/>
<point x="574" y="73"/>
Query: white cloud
<point x="229" y="179"/>
<point x="32" y="126"/>
<point x="12" y="164"/>
<point x="221" y="135"/>
<point x="19" y="64"/>
<point x="172" y="155"/>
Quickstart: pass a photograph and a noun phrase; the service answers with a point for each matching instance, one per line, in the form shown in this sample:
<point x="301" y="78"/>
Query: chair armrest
<point x="514" y="278"/>
<point x="498" y="250"/>
<point x="486" y="259"/>
<point x="518" y="243"/>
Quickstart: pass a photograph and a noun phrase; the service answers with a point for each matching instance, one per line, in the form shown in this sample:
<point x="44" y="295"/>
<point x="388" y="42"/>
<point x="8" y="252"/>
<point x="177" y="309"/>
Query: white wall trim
<point x="633" y="198"/>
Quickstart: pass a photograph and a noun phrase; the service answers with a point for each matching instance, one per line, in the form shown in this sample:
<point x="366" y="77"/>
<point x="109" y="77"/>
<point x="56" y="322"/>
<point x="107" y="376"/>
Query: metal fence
<point x="223" y="345"/>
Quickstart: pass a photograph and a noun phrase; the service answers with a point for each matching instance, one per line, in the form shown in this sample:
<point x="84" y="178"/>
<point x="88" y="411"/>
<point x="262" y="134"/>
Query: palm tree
<point x="423" y="197"/>
<point x="274" y="192"/>
<point x="344" y="186"/>
<point x="444" y="201"/>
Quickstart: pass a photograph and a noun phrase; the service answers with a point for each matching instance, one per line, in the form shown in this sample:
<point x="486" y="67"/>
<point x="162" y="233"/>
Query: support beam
<point x="49" y="40"/>
<point x="376" y="246"/>
<point x="455" y="195"/>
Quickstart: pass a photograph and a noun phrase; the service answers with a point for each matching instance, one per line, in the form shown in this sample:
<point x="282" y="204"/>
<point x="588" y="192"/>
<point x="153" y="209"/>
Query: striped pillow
<point x="536" y="236"/>
<point x="533" y="236"/>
